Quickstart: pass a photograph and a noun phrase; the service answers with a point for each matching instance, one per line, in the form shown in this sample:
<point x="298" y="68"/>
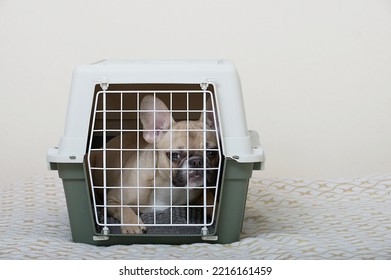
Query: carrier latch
<point x="206" y="236"/>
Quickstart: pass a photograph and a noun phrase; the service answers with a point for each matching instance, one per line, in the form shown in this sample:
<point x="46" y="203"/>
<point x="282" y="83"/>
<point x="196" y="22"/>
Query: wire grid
<point x="105" y="114"/>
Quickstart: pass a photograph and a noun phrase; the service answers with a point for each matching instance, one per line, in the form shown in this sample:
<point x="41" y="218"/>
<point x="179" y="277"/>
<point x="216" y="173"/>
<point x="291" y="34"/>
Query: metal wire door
<point x="125" y="147"/>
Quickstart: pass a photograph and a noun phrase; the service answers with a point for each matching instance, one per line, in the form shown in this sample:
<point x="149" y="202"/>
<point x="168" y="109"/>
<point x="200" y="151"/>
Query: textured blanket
<point x="284" y="219"/>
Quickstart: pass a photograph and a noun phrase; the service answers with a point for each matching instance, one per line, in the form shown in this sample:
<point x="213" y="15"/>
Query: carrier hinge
<point x="104" y="236"/>
<point x="104" y="84"/>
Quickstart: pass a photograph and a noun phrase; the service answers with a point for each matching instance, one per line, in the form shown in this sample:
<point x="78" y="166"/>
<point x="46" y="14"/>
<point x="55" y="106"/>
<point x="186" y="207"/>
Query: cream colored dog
<point x="170" y="154"/>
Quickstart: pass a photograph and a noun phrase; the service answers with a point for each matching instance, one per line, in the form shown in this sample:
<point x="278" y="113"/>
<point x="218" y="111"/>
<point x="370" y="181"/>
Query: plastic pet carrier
<point x="156" y="152"/>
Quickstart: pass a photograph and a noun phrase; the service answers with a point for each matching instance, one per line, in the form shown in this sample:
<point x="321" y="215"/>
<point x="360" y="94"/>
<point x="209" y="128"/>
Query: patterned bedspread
<point x="284" y="219"/>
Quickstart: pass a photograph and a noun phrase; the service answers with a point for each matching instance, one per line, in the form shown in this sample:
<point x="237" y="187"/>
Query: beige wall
<point x="316" y="75"/>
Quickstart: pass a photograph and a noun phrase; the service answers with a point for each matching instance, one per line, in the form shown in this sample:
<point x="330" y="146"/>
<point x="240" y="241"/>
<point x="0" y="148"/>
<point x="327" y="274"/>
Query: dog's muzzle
<point x="193" y="170"/>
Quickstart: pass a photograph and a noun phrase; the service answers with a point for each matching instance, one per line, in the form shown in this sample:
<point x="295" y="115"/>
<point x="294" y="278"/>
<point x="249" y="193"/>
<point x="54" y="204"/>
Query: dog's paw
<point x="133" y="229"/>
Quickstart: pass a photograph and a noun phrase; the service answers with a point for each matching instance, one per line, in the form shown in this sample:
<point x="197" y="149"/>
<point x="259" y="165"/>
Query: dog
<point x="168" y="165"/>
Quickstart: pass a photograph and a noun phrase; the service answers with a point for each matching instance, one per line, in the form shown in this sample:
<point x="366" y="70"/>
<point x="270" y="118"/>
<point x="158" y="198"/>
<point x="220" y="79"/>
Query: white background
<point x="316" y="75"/>
<point x="281" y="270"/>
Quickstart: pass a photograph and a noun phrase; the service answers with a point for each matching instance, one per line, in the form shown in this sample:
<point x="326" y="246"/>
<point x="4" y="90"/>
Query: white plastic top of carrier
<point x="237" y="141"/>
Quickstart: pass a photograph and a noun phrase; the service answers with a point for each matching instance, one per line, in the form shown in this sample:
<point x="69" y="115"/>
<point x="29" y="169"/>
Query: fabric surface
<point x="284" y="219"/>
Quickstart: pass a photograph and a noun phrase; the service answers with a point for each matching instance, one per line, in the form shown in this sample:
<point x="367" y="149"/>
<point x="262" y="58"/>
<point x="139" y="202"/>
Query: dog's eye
<point x="211" y="154"/>
<point x="173" y="156"/>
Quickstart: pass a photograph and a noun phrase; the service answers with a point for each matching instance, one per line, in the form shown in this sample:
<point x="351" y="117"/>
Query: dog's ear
<point x="211" y="121"/>
<point x="155" y="118"/>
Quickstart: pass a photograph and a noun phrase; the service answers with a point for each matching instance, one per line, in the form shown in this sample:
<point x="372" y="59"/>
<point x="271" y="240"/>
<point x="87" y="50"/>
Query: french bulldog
<point x="161" y="167"/>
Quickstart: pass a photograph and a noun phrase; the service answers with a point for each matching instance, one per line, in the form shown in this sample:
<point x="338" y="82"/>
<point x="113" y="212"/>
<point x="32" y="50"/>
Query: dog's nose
<point x="196" y="162"/>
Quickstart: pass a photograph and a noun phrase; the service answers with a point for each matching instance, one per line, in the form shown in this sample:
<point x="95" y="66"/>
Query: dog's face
<point x="187" y="152"/>
<point x="190" y="164"/>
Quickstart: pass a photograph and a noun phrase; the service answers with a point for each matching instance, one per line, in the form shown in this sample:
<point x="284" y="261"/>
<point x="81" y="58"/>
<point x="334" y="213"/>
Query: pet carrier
<point x="156" y="152"/>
